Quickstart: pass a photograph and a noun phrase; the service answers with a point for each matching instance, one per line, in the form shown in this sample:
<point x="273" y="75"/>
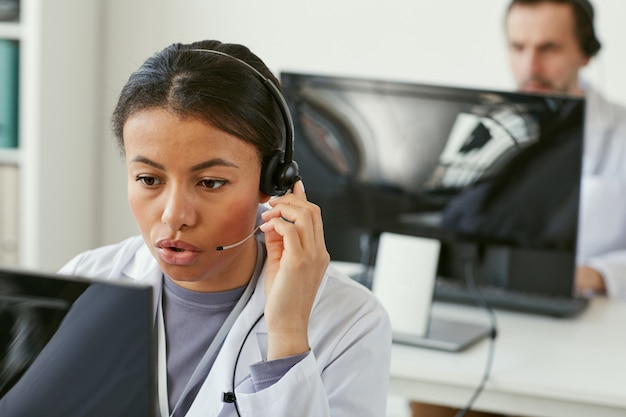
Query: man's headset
<point x="279" y="172"/>
<point x="591" y="45"/>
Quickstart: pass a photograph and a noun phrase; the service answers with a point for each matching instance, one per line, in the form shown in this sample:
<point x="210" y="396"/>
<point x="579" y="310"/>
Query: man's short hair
<point x="583" y="15"/>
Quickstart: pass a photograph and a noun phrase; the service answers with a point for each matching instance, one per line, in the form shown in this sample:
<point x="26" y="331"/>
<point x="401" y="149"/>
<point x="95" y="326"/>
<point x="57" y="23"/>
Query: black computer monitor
<point x="493" y="175"/>
<point x="75" y="347"/>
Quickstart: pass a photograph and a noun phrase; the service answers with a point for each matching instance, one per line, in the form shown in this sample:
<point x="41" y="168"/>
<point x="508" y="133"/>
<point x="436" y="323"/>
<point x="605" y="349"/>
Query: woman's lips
<point x="177" y="252"/>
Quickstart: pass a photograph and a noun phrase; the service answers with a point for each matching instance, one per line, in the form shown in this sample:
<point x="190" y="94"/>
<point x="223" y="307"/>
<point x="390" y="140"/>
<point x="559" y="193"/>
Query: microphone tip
<point x="219" y="248"/>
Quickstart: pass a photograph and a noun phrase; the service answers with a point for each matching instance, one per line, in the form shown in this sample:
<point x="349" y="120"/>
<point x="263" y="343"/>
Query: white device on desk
<point x="404" y="278"/>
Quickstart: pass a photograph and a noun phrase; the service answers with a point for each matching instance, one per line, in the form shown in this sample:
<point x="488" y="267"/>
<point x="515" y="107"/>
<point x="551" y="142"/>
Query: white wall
<point x="450" y="42"/>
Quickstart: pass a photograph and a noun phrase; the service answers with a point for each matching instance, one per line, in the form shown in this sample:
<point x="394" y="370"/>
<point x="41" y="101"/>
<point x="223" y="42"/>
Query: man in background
<point x="549" y="43"/>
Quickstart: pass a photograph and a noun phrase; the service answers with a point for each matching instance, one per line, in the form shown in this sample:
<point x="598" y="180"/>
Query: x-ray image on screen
<point x="499" y="171"/>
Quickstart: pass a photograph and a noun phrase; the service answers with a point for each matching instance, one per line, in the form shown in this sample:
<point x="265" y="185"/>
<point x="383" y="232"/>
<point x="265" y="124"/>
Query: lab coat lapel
<point x="143" y="268"/>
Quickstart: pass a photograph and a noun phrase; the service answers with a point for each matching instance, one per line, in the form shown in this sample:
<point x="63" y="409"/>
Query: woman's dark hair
<point x="210" y="87"/>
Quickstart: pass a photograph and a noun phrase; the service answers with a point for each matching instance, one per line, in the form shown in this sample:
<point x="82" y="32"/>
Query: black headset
<point x="592" y="45"/>
<point x="279" y="171"/>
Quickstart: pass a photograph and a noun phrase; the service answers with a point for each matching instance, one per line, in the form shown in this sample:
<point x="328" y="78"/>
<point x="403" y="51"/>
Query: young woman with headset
<point x="251" y="318"/>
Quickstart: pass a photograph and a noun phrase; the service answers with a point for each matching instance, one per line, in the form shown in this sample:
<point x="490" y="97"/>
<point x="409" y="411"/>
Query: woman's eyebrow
<point x="198" y="167"/>
<point x="144" y="160"/>
<point x="213" y="162"/>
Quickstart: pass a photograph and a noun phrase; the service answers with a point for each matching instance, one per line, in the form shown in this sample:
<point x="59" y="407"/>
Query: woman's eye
<point x="212" y="184"/>
<point x="148" y="181"/>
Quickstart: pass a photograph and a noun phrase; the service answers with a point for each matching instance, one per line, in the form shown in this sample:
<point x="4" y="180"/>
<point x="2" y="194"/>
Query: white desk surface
<point x="543" y="366"/>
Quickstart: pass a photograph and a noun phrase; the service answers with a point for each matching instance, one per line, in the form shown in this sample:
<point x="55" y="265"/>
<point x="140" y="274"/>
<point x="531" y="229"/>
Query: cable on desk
<point x="478" y="298"/>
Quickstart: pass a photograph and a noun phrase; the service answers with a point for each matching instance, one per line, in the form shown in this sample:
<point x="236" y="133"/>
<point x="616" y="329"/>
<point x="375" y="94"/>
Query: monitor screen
<point x="493" y="175"/>
<point x="71" y="346"/>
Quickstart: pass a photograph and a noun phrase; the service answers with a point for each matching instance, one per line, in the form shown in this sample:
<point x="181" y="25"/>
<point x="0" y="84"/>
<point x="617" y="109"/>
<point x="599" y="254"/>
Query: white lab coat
<point x="602" y="226"/>
<point x="345" y="374"/>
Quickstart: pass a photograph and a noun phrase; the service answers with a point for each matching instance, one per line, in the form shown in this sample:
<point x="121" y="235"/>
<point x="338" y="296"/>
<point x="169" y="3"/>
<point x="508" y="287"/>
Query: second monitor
<point x="493" y="175"/>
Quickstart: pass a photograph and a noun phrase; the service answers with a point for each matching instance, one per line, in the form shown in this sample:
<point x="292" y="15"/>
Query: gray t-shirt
<point x="192" y="320"/>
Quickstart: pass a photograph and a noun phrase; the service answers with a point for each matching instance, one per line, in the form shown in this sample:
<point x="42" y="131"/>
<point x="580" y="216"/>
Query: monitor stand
<point x="444" y="334"/>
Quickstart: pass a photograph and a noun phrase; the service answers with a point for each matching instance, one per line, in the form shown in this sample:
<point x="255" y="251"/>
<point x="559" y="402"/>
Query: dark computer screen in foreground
<point x="73" y="347"/>
<point x="495" y="176"/>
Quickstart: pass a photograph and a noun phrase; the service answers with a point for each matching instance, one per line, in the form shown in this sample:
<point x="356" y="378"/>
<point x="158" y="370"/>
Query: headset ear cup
<point x="593" y="46"/>
<point x="289" y="174"/>
<point x="269" y="173"/>
<point x="277" y="176"/>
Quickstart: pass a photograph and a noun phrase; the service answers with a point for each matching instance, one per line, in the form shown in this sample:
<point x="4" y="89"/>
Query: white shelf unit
<point x="58" y="129"/>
